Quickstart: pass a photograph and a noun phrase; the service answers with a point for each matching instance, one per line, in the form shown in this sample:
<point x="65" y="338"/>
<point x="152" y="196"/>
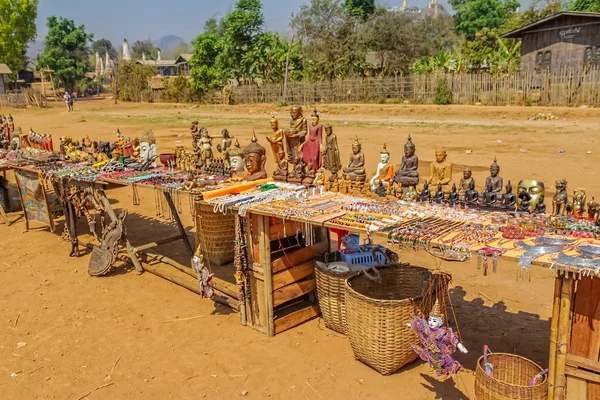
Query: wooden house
<point x="4" y="72"/>
<point x="563" y="40"/>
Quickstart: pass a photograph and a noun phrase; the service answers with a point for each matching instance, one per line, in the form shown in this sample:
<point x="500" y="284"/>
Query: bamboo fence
<point x="565" y="87"/>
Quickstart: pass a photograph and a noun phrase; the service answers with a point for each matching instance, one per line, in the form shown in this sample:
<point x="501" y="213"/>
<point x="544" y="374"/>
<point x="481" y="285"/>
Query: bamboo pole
<point x="554" y="336"/>
<point x="562" y="345"/>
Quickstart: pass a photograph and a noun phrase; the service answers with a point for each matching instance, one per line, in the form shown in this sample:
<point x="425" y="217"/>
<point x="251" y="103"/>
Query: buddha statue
<point x="535" y="190"/>
<point x="494" y="182"/>
<point x="236" y="161"/>
<point x="331" y="153"/>
<point x="224" y="146"/>
<point x="281" y="172"/>
<point x="310" y="176"/>
<point x="347" y="186"/>
<point x="524" y="201"/>
<point x="148" y="149"/>
<point x="355" y="171"/>
<point x="490" y="197"/>
<point x="559" y="201"/>
<point x="297" y="174"/>
<point x="311" y="149"/>
<point x="136" y="149"/>
<point x="465" y="181"/>
<point x="276" y="141"/>
<point x="593" y="209"/>
<point x="425" y="195"/>
<point x="441" y="171"/>
<point x="438" y="197"/>
<point x="540" y="207"/>
<point x="320" y="178"/>
<point x="579" y="197"/>
<point x="381" y="190"/>
<point x="408" y="174"/>
<point x="471" y="195"/>
<point x="335" y="185"/>
<point x="295" y="135"/>
<point x="453" y="197"/>
<point x="255" y="158"/>
<point x="509" y="200"/>
<point x="385" y="171"/>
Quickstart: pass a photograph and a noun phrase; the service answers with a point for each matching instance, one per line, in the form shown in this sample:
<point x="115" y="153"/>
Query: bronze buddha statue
<point x="355" y="171"/>
<point x="408" y="174"/>
<point x="255" y="158"/>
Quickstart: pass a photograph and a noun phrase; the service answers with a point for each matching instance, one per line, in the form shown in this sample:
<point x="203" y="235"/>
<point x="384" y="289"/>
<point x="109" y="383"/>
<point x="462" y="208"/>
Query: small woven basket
<point x="215" y="233"/>
<point x="378" y="310"/>
<point x="512" y="375"/>
<point x="331" y="289"/>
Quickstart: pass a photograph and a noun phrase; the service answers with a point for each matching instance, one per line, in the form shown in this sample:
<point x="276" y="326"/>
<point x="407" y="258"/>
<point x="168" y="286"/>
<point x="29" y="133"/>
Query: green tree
<point x="133" y="80"/>
<point x="332" y="38"/>
<point x="267" y="57"/>
<point x="66" y="51"/>
<point x="205" y="74"/>
<point x="360" y="8"/>
<point x="585" y="5"/>
<point x="104" y="45"/>
<point x="474" y="15"/>
<point x="17" y="30"/>
<point x="144" y="47"/>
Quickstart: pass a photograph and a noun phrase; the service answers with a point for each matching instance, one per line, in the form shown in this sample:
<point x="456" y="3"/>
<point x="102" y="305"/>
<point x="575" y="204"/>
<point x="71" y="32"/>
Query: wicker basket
<point x="378" y="312"/>
<point x="512" y="375"/>
<point x="215" y="233"/>
<point x="331" y="288"/>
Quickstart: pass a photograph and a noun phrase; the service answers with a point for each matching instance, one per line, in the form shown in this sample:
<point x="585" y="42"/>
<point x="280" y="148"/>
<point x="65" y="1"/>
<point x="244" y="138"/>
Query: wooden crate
<point x="282" y="285"/>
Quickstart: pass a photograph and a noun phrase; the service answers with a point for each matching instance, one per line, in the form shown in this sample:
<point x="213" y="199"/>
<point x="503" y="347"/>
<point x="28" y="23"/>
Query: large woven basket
<point x="512" y="375"/>
<point x="215" y="233"/>
<point x="378" y="312"/>
<point x="331" y="289"/>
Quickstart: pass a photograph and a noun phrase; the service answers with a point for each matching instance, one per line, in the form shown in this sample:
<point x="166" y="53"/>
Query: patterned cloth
<point x="437" y="348"/>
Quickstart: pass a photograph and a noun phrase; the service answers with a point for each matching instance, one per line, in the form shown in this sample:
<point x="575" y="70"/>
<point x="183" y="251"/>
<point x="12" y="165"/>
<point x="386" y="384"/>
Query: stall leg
<point x="4" y="217"/>
<point x="178" y="222"/>
<point x="564" y="330"/>
<point x="554" y="336"/>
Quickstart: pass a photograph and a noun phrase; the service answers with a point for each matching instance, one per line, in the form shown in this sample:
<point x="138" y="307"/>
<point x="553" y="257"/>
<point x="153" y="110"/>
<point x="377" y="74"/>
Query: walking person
<point x="73" y="99"/>
<point x="67" y="98"/>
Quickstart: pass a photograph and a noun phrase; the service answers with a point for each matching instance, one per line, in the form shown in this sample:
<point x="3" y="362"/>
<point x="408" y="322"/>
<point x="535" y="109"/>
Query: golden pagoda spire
<point x="404" y="5"/>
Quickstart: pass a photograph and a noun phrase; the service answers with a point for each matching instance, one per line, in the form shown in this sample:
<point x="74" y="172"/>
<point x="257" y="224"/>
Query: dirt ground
<point x="66" y="335"/>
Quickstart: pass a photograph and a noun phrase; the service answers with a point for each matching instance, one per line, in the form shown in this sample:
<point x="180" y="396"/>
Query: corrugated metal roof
<point x="158" y="63"/>
<point x="4" y="69"/>
<point x="517" y="33"/>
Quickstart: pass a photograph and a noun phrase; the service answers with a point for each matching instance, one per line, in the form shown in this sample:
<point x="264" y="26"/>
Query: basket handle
<point x="376" y="277"/>
<point x="380" y="250"/>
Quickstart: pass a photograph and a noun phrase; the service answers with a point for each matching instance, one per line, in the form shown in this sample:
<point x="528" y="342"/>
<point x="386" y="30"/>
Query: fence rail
<point x="560" y="88"/>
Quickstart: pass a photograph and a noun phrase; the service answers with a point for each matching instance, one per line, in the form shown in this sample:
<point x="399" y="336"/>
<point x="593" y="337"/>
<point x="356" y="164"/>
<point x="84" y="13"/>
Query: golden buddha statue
<point x="276" y="140"/>
<point x="441" y="171"/>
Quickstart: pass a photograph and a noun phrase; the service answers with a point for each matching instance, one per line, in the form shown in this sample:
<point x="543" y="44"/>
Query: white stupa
<point x="108" y="69"/>
<point x="98" y="63"/>
<point x="126" y="52"/>
<point x="102" y="71"/>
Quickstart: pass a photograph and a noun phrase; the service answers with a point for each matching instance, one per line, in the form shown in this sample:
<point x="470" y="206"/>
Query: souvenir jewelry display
<point x="531" y="253"/>
<point x="418" y="234"/>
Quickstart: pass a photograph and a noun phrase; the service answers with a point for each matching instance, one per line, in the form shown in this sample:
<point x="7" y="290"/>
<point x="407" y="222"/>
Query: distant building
<point x="183" y="64"/>
<point x="433" y="10"/>
<point x="4" y="72"/>
<point x="563" y="40"/>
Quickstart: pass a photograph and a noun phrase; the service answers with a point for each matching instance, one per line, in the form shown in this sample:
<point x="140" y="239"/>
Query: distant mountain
<point x="168" y="43"/>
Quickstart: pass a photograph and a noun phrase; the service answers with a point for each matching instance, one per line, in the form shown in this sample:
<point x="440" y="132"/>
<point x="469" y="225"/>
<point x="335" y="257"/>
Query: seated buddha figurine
<point x="509" y="200"/>
<point x="297" y="174"/>
<point x="355" y="171"/>
<point x="540" y="207"/>
<point x="310" y="176"/>
<point x="281" y="172"/>
<point x="438" y="197"/>
<point x="381" y="190"/>
<point x="467" y="178"/>
<point x="408" y="174"/>
<point x="525" y="201"/>
<point x="441" y="171"/>
<point x="425" y="195"/>
<point x="255" y="159"/>
<point x="385" y="171"/>
<point x="493" y="184"/>
<point x="453" y="197"/>
<point x="471" y="195"/>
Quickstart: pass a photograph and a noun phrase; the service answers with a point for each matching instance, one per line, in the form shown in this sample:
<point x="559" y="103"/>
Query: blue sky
<point x="142" y="19"/>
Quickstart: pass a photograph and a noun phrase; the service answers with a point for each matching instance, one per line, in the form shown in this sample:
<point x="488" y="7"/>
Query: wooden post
<point x="554" y="336"/>
<point x="265" y="261"/>
<point x="564" y="329"/>
<point x="180" y="227"/>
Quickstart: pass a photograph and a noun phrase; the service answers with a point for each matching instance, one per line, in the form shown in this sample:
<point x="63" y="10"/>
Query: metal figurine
<point x="578" y="207"/>
<point x="355" y="171"/>
<point x="471" y="195"/>
<point x="441" y="171"/>
<point x="439" y="195"/>
<point x="559" y="201"/>
<point x="276" y="141"/>
<point x="509" y="200"/>
<point x="331" y="153"/>
<point x="490" y="198"/>
<point x="453" y="197"/>
<point x="408" y="174"/>
<point x="593" y="209"/>
<point x="524" y="201"/>
<point x="425" y="195"/>
<point x="493" y="184"/>
<point x="540" y="207"/>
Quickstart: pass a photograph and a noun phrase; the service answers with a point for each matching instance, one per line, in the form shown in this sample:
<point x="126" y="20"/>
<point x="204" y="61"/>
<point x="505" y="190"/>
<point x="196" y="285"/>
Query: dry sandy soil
<point x="66" y="335"/>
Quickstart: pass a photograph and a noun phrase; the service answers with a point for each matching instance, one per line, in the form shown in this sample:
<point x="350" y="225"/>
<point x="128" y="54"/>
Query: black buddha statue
<point x="381" y="191"/>
<point x="425" y="195"/>
<point x="540" y="207"/>
<point x="509" y="200"/>
<point x="439" y="195"/>
<point x="490" y="198"/>
<point x="471" y="195"/>
<point x="525" y="199"/>
<point x="453" y="197"/>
